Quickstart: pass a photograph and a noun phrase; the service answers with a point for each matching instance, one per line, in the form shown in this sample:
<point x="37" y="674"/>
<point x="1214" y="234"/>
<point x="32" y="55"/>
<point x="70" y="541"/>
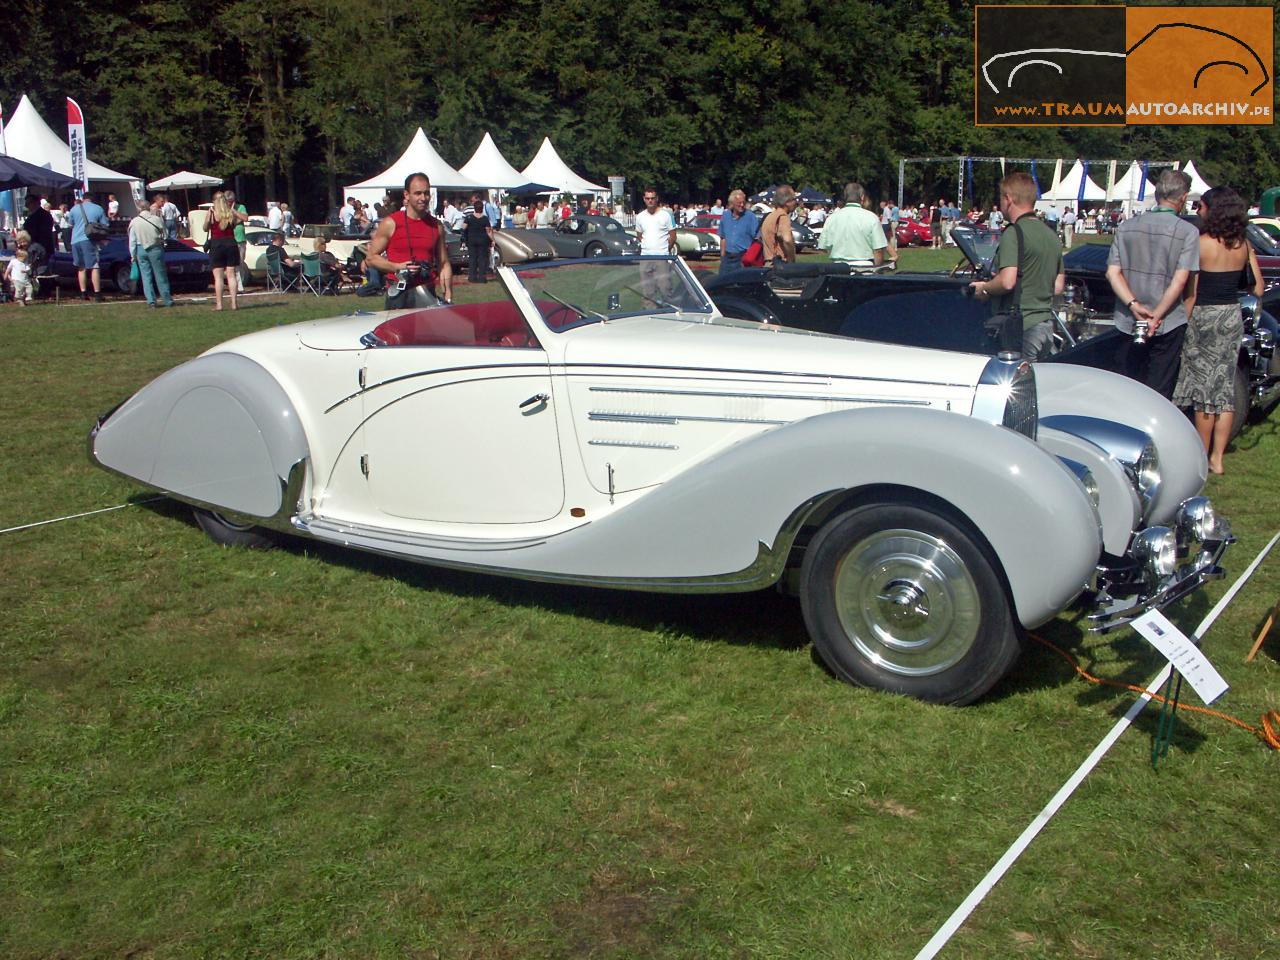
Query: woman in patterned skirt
<point x="1206" y="380"/>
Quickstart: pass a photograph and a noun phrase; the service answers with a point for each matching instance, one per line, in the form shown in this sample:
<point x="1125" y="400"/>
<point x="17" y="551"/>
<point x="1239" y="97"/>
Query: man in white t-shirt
<point x="717" y="208"/>
<point x="275" y="217"/>
<point x="347" y="214"/>
<point x="452" y="216"/>
<point x="113" y="207"/>
<point x="656" y="231"/>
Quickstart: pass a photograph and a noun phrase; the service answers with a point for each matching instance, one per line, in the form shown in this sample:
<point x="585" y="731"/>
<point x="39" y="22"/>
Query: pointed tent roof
<point x="1133" y="186"/>
<point x="488" y="166"/>
<point x="1198" y="184"/>
<point x="1068" y="188"/>
<point x="547" y="167"/>
<point x="29" y="138"/>
<point x="419" y="156"/>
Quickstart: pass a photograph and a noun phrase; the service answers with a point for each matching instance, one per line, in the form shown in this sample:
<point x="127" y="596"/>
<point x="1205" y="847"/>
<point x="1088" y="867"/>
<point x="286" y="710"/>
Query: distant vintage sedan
<point x="188" y="270"/>
<point x="601" y="423"/>
<point x="587" y="235"/>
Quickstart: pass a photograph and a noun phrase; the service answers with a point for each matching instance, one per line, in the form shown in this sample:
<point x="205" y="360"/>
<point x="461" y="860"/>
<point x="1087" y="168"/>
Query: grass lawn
<point x="311" y="753"/>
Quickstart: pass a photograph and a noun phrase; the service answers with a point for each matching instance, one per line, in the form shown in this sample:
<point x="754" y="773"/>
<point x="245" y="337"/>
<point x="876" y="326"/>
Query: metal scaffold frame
<point x="1055" y="162"/>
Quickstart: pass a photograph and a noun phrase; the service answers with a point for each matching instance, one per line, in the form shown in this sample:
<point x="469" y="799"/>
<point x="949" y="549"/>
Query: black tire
<point x="121" y="280"/>
<point x="901" y="598"/>
<point x="1243" y="401"/>
<point x="594" y="250"/>
<point x="232" y="534"/>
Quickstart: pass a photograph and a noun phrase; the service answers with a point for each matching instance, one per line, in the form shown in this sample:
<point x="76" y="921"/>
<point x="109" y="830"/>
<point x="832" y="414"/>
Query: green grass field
<point x="312" y="753"/>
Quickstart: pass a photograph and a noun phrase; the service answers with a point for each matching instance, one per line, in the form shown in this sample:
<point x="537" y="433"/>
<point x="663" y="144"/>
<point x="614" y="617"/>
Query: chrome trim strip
<point x="642" y="444"/>
<point x="331" y="529"/>
<point x="671" y="420"/>
<point x="654" y="391"/>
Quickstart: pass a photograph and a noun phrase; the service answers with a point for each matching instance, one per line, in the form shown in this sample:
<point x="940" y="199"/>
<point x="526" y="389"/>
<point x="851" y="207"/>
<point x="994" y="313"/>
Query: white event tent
<point x="488" y="166"/>
<point x="1133" y="190"/>
<point x="1198" y="183"/>
<point x="1067" y="190"/>
<point x="547" y="167"/>
<point x="29" y="138"/>
<point x="419" y="156"/>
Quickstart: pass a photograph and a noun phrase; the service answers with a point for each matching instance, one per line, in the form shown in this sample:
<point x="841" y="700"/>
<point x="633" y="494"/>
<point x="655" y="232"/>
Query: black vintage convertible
<point x="933" y="310"/>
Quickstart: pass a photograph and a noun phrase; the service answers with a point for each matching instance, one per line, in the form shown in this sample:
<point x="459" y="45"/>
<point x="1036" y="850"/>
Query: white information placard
<point x="1188" y="659"/>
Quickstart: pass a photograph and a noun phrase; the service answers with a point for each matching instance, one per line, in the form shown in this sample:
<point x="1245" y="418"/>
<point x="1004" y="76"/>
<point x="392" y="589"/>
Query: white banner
<point x="3" y="148"/>
<point x="79" y="153"/>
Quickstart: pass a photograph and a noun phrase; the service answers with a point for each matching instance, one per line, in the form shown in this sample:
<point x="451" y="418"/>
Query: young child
<point x="19" y="274"/>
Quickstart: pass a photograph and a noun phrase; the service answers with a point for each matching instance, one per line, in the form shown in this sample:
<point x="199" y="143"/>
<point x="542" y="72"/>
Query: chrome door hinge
<point x="364" y="464"/>
<point x="362" y="377"/>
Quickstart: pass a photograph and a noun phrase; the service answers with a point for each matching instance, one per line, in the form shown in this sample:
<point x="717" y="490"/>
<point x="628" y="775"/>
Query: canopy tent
<point x="1198" y="183"/>
<point x="185" y="180"/>
<point x="15" y="173"/>
<point x="1133" y="189"/>
<point x="488" y="166"/>
<point x="1067" y="190"/>
<point x="764" y="196"/>
<point x="522" y="189"/>
<point x="810" y="195"/>
<point x="547" y="167"/>
<point x="418" y="157"/>
<point x="29" y="138"/>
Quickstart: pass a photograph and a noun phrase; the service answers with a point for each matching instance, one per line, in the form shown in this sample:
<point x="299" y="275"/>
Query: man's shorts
<point x="84" y="254"/>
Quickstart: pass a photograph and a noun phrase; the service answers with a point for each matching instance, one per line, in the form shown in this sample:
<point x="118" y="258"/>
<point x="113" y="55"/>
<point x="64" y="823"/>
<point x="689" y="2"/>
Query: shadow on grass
<point x="763" y="618"/>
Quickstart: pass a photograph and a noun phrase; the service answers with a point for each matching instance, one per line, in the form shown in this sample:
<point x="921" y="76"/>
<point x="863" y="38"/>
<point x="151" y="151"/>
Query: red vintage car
<point x="914" y="231"/>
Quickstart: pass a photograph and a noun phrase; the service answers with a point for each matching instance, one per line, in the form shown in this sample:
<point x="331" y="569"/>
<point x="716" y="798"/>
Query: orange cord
<point x="1268" y="733"/>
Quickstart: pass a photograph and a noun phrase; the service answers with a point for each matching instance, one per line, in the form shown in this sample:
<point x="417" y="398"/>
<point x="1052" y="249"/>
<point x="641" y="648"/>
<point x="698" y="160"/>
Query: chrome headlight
<point x="1156" y="548"/>
<point x="1006" y="395"/>
<point x="1146" y="472"/>
<point x="1197" y="520"/>
<point x="1086" y="478"/>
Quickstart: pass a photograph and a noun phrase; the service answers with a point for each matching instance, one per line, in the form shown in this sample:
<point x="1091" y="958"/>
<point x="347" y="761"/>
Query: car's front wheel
<point x="901" y="598"/>
<point x="121" y="279"/>
<point x="1242" y="401"/>
<point x="595" y="250"/>
<point x="230" y="533"/>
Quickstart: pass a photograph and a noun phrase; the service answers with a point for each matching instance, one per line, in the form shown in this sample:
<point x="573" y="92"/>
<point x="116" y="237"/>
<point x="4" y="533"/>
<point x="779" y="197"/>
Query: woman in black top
<point x="478" y="235"/>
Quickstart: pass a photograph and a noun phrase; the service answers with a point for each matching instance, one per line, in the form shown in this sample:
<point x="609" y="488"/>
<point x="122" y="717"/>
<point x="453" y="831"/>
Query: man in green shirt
<point x="853" y="233"/>
<point x="239" y="236"/>
<point x="1042" y="274"/>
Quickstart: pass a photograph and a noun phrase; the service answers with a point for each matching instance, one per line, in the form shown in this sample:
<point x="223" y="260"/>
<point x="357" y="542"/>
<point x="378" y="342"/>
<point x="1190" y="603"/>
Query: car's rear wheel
<point x="231" y="533"/>
<point x="901" y="598"/>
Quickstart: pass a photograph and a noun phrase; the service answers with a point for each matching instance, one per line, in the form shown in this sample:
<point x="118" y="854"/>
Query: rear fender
<point x="218" y="431"/>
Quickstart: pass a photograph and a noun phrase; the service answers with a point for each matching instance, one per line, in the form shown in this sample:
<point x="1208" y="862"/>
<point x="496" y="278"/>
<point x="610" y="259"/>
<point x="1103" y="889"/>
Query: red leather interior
<point x="496" y="324"/>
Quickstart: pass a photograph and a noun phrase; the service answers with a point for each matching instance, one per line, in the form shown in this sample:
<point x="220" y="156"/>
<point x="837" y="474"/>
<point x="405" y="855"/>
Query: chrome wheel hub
<point x="907" y="602"/>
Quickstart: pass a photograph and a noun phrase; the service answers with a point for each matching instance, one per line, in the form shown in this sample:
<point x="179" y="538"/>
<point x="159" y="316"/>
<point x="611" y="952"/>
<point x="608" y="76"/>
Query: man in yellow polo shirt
<point x="853" y="233"/>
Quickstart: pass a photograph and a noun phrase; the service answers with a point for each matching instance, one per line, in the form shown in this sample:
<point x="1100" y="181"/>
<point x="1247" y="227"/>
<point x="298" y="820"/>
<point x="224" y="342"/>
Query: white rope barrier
<point x="976" y="896"/>
<point x="77" y="516"/>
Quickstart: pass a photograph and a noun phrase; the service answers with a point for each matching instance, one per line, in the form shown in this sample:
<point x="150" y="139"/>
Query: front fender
<point x="218" y="430"/>
<point x="713" y="519"/>
<point x="1065" y="389"/>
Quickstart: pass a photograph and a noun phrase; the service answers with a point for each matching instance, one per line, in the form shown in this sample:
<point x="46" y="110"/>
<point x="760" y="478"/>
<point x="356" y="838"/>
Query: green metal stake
<point x="1168" y="718"/>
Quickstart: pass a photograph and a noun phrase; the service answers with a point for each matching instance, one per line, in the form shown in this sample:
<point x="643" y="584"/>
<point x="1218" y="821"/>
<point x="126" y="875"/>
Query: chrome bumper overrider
<point x="1126" y="587"/>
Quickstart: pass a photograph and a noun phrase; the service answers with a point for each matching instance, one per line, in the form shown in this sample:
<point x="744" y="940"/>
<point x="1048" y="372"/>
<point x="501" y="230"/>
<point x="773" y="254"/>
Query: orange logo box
<point x="1199" y="65"/>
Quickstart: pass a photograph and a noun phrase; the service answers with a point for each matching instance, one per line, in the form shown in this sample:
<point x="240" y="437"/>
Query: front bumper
<point x="1125" y="588"/>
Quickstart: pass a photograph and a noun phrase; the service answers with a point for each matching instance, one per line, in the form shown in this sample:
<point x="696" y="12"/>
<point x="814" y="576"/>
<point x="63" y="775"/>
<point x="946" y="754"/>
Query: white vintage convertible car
<point x="603" y="424"/>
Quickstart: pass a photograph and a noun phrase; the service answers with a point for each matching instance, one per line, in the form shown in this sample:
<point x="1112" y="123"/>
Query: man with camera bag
<point x="409" y="248"/>
<point x="1027" y="265"/>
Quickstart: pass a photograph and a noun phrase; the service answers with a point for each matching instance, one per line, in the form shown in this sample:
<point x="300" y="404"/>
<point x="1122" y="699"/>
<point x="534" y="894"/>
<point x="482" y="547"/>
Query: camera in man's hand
<point x="1140" y="328"/>
<point x="415" y="273"/>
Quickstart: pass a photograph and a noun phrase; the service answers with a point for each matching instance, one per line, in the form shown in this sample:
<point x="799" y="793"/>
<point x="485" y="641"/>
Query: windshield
<point x="977" y="243"/>
<point x="575" y="293"/>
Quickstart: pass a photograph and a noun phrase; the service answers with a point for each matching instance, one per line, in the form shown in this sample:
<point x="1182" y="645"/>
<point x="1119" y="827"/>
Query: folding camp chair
<point x="278" y="278"/>
<point x="311" y="274"/>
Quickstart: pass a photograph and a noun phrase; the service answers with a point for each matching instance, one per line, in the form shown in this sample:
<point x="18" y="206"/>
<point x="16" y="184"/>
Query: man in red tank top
<point x="411" y="240"/>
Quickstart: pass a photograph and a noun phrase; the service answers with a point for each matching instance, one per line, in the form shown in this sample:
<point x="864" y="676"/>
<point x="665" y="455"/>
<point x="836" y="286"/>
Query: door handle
<point x="536" y="398"/>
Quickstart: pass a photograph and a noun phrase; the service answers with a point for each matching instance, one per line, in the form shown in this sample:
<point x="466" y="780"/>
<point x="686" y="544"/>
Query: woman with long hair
<point x="1206" y="379"/>
<point x="224" y="252"/>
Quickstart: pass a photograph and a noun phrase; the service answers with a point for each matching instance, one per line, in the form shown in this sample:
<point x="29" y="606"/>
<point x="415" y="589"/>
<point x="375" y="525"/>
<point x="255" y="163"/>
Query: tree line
<point x="300" y="97"/>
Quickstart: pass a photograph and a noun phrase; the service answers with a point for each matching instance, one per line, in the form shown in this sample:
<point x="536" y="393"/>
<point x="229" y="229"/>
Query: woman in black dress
<point x="478" y="235"/>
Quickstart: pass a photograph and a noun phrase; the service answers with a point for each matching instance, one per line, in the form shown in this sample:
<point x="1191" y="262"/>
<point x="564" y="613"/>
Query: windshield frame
<point x="524" y="285"/>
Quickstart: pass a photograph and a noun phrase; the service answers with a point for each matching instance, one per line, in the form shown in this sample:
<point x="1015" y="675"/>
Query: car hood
<point x="728" y="345"/>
